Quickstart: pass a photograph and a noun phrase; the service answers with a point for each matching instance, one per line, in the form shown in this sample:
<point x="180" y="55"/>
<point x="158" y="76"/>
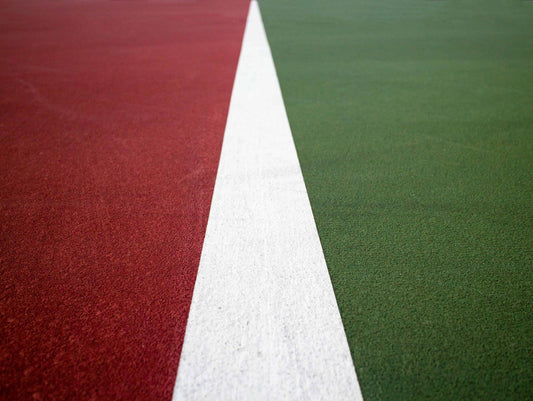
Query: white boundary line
<point x="264" y="323"/>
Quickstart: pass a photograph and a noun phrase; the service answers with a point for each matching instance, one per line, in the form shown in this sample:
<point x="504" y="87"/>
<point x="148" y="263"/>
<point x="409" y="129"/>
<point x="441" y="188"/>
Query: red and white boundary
<point x="264" y="323"/>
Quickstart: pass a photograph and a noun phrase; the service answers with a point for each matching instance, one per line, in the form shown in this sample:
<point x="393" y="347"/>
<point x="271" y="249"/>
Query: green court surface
<point x="413" y="122"/>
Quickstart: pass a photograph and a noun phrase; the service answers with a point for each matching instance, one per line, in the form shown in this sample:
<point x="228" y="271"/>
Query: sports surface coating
<point x="109" y="149"/>
<point x="413" y="122"/>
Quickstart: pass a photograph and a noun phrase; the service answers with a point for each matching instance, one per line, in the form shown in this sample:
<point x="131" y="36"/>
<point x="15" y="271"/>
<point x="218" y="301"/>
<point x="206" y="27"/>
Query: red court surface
<point x="112" y="115"/>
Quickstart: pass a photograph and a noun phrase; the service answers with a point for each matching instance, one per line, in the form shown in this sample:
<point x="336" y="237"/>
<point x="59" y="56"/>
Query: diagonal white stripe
<point x="264" y="323"/>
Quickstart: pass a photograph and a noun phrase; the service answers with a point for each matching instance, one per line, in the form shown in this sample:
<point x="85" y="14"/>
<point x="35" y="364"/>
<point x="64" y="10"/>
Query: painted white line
<point x="264" y="323"/>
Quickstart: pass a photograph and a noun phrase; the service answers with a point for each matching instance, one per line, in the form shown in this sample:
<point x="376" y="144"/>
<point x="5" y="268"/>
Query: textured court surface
<point x="413" y="121"/>
<point x="413" y="125"/>
<point x="110" y="143"/>
<point x="263" y="291"/>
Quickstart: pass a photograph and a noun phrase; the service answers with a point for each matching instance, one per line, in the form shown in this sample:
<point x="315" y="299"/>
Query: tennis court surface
<point x="273" y="200"/>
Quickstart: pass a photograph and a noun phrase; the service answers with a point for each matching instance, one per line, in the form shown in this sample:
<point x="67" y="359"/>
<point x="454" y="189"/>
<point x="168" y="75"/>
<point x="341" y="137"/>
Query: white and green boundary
<point x="264" y="323"/>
